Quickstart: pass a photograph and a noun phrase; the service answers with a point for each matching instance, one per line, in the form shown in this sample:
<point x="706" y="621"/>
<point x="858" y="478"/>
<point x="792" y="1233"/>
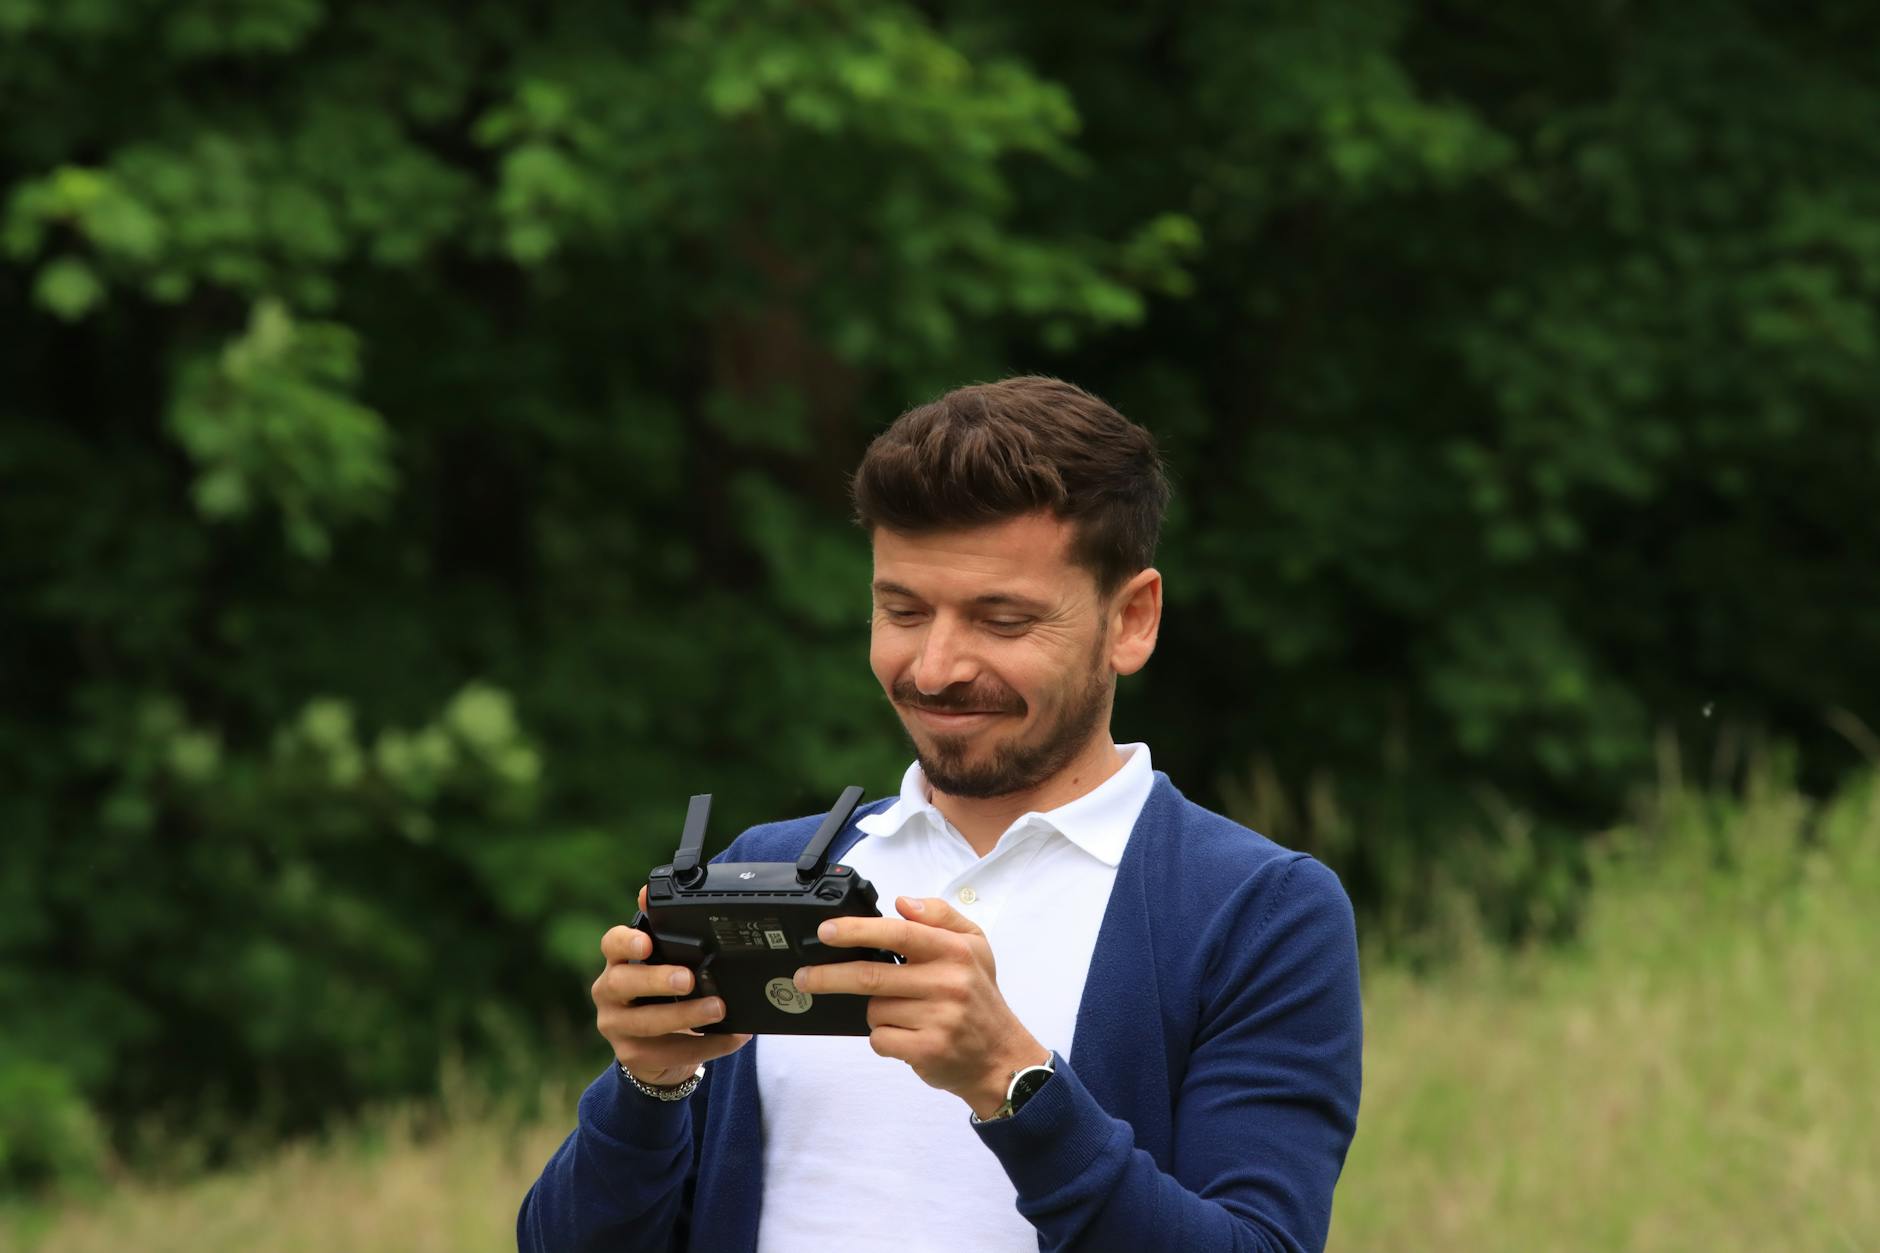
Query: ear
<point x="1135" y="620"/>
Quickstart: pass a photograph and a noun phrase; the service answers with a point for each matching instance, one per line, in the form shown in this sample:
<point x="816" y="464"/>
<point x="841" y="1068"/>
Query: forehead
<point x="1025" y="556"/>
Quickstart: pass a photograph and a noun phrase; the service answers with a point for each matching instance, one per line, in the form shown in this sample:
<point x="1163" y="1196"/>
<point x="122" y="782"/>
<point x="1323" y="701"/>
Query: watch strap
<point x="675" y="1092"/>
<point x="1014" y="1101"/>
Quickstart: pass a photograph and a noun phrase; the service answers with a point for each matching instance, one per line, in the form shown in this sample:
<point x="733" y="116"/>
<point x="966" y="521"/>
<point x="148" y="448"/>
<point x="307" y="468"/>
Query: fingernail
<point x="915" y="906"/>
<point x="826" y="932"/>
<point x="716" y="1009"/>
<point x="679" y="979"/>
<point x="797" y="978"/>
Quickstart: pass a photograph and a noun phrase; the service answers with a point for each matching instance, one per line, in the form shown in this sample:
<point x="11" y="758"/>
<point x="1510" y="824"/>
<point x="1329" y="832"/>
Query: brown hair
<point x="994" y="451"/>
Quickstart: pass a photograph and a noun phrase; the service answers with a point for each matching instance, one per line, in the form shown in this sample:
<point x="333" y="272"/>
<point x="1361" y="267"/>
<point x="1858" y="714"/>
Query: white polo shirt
<point x="858" y="1152"/>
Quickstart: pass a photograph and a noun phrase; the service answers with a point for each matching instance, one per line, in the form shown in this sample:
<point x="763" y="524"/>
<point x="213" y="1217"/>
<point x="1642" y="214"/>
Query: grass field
<point x="1700" y="1072"/>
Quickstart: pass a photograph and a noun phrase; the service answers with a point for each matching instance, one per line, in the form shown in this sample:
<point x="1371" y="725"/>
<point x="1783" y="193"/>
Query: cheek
<point x="1067" y="678"/>
<point x="887" y="657"/>
<point x="1033" y="676"/>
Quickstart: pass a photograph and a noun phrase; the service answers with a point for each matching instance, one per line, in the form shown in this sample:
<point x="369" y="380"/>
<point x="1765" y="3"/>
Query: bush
<point x="47" y="1133"/>
<point x="426" y="430"/>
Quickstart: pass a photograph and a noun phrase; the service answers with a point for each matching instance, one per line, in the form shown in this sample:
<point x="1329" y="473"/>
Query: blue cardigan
<point x="1214" y="1094"/>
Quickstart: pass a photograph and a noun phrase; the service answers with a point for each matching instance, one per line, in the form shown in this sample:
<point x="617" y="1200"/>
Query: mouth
<point x="954" y="721"/>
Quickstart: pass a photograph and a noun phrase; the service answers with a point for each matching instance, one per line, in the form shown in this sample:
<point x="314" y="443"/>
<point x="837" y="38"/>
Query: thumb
<point x="936" y="913"/>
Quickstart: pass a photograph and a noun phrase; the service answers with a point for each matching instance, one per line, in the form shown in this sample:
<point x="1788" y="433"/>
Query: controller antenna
<point x="815" y="858"/>
<point x="686" y="871"/>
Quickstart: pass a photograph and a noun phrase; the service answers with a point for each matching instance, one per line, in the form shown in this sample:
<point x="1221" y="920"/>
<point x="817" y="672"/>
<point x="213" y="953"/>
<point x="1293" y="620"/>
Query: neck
<point x="983" y="821"/>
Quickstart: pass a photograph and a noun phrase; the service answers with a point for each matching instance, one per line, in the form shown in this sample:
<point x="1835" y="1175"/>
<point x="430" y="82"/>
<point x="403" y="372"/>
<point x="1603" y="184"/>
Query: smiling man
<point x="1123" y="1022"/>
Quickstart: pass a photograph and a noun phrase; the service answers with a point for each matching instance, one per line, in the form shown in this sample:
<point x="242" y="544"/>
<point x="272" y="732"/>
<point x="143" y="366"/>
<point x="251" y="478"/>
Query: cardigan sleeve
<point x="1262" y="1115"/>
<point x="619" y="1182"/>
<point x="623" y="1180"/>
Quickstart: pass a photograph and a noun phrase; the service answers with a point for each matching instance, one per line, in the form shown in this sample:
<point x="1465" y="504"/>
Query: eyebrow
<point x="991" y="600"/>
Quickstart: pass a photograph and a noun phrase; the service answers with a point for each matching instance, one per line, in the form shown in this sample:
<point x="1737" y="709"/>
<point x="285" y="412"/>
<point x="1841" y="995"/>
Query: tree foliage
<point x="424" y="459"/>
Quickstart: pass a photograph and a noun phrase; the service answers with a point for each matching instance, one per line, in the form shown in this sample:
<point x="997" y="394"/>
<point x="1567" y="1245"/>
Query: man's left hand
<point x="941" y="1012"/>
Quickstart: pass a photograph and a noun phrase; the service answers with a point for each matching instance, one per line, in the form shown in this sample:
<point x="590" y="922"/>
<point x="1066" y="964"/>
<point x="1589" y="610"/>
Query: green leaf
<point x="68" y="288"/>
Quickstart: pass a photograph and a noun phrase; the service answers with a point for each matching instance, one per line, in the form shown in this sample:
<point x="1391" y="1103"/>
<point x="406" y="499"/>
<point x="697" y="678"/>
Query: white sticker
<point x="784" y="995"/>
<point x="777" y="939"/>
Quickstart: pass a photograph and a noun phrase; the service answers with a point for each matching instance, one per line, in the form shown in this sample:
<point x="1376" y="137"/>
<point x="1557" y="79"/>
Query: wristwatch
<point x="1020" y="1088"/>
<point x="677" y="1092"/>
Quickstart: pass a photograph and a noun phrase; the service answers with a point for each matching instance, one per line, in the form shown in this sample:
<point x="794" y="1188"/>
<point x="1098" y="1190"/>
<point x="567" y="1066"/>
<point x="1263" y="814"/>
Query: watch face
<point x="1027" y="1084"/>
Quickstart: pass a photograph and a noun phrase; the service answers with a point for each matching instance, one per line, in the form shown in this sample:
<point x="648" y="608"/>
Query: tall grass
<point x="1699" y="1071"/>
<point x="438" y="1179"/>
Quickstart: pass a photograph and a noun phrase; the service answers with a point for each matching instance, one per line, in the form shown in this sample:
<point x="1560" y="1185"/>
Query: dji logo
<point x="748" y="874"/>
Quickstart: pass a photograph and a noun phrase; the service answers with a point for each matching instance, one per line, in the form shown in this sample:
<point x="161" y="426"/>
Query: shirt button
<point x="968" y="896"/>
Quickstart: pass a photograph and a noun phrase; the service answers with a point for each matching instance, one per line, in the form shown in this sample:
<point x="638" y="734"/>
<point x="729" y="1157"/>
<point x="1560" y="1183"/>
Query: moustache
<point x="963" y="699"/>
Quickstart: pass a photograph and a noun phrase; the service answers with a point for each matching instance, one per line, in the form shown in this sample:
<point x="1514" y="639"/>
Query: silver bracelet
<point x="677" y="1092"/>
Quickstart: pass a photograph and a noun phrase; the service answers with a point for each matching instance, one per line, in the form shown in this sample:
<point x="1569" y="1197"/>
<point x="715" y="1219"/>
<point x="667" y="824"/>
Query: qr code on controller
<point x="776" y="939"/>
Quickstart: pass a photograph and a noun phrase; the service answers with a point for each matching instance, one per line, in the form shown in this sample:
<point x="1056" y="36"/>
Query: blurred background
<point x="423" y="457"/>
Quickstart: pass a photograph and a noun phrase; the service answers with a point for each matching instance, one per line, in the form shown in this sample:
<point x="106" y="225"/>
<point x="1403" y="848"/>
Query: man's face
<point x="994" y="649"/>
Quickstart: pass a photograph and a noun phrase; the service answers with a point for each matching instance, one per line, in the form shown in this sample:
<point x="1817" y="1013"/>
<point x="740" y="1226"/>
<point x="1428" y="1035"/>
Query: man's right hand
<point x="656" y="1043"/>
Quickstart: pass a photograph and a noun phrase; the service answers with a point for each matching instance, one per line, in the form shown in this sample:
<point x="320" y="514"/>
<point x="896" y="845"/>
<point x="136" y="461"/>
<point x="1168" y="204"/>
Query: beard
<point x="1012" y="766"/>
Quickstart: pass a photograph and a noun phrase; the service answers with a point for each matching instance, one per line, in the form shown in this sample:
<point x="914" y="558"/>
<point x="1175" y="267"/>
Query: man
<point x="1165" y="1054"/>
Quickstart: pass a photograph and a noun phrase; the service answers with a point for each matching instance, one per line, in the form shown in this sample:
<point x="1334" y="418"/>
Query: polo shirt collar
<point x="1099" y="821"/>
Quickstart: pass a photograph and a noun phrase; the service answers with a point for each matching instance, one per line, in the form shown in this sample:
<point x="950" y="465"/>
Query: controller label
<point x="785" y="996"/>
<point x="749" y="935"/>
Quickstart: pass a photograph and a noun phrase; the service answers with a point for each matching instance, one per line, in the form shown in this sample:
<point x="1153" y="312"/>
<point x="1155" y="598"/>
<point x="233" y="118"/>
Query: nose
<point x="945" y="658"/>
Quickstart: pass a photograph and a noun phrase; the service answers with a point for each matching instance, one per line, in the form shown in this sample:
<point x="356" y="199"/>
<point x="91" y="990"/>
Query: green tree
<point x="423" y="460"/>
<point x="427" y="467"/>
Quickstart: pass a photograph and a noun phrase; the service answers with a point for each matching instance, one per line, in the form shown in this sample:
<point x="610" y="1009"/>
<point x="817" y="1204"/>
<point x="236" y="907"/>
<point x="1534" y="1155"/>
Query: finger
<point x="624" y="944"/>
<point x="915" y="941"/>
<point x="861" y="979"/>
<point x="911" y="1013"/>
<point x="642" y="898"/>
<point x="935" y="912"/>
<point x="619" y="1022"/>
<point x="625" y="982"/>
<point x="895" y="1042"/>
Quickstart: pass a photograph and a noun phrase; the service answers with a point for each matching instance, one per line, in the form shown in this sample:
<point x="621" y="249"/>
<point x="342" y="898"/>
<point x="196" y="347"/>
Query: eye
<point x="903" y="616"/>
<point x="1008" y="624"/>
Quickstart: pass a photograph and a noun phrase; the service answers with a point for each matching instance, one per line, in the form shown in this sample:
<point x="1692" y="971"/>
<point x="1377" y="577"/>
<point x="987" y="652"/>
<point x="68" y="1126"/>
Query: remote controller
<point x="744" y="929"/>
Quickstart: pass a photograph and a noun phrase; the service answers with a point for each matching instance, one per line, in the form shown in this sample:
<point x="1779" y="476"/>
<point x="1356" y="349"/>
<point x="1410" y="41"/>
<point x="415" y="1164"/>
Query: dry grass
<point x="451" y="1189"/>
<point x="1702" y="1073"/>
